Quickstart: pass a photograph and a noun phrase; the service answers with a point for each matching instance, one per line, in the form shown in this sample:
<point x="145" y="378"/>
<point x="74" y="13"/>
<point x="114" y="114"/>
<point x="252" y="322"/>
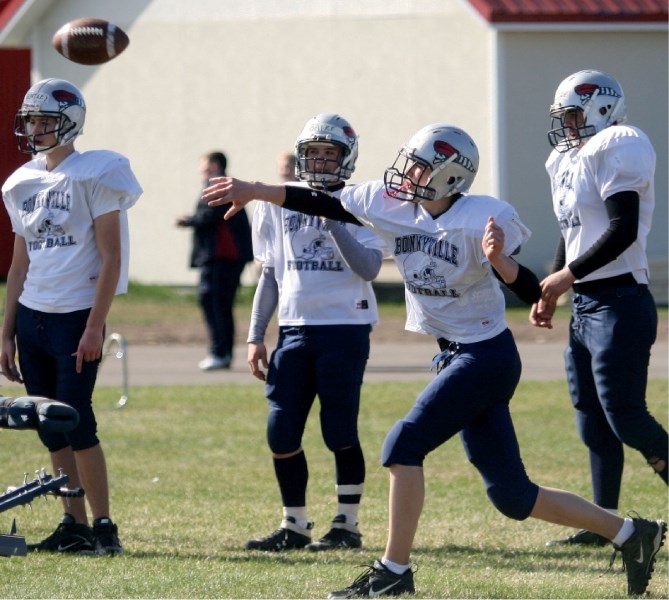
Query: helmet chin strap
<point x="44" y="150"/>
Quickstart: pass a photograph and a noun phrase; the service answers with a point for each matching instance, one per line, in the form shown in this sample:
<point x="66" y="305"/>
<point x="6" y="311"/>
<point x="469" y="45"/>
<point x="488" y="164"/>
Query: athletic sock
<point x="624" y="534"/>
<point x="298" y="513"/>
<point x="350" y="466"/>
<point x="394" y="567"/>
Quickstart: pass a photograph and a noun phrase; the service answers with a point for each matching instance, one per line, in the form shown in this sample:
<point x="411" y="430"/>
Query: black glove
<point x="36" y="412"/>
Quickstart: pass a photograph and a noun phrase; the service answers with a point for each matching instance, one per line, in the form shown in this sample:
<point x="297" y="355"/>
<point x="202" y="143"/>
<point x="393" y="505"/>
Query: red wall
<point x="14" y="82"/>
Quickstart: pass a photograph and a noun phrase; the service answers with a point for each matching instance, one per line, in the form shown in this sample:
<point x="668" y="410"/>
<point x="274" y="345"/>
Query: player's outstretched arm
<point x="238" y="193"/>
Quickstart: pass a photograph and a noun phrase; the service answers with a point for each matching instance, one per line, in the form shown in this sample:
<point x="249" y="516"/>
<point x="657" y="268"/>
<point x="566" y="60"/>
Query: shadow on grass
<point x="519" y="559"/>
<point x="527" y="560"/>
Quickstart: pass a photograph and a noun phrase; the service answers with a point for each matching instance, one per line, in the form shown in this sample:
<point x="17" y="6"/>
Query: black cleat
<point x="639" y="553"/>
<point x="289" y="536"/>
<point x="582" y="537"/>
<point x="106" y="537"/>
<point x="376" y="581"/>
<point x="341" y="536"/>
<point x="70" y="537"/>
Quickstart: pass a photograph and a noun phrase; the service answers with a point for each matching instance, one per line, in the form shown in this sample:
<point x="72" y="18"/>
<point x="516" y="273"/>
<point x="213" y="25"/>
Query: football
<point x="90" y="41"/>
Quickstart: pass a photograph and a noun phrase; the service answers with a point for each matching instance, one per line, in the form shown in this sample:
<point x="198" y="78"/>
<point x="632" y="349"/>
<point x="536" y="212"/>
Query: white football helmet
<point x="598" y="95"/>
<point x="54" y="98"/>
<point x="326" y="128"/>
<point x="449" y="156"/>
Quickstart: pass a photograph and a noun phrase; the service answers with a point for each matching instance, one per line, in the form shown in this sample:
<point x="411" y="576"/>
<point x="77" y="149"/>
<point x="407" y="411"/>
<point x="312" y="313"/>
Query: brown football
<point x="90" y="41"/>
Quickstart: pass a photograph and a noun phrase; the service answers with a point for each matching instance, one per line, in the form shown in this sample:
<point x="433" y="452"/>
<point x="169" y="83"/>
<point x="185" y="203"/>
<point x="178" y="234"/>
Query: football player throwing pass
<point x="452" y="248"/>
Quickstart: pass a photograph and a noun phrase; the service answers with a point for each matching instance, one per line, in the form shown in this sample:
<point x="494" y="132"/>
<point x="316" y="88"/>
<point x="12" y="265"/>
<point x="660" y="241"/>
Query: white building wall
<point x="244" y="75"/>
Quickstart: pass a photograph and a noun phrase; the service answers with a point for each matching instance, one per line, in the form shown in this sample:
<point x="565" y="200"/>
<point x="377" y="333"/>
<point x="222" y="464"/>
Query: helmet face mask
<point x="52" y="107"/>
<point x="403" y="179"/>
<point x="326" y="130"/>
<point x="322" y="160"/>
<point x="31" y="125"/>
<point x="597" y="96"/>
<point x="564" y="134"/>
<point x="440" y="160"/>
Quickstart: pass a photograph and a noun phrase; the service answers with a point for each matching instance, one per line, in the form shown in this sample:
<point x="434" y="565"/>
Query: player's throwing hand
<point x="238" y="193"/>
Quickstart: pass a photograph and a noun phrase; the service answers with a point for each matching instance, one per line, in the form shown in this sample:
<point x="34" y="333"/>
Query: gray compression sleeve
<point x="365" y="262"/>
<point x="265" y="301"/>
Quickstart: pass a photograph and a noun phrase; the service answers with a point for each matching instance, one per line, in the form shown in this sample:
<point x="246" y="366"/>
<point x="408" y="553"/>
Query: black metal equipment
<point x="42" y="485"/>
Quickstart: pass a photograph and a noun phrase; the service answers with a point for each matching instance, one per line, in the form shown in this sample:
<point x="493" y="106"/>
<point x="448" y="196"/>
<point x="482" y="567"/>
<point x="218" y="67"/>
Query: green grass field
<point x="191" y="480"/>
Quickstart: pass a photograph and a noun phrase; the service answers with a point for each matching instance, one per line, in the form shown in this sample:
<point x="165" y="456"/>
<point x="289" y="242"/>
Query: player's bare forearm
<point x="506" y="267"/>
<point x="15" y="281"/>
<point x="238" y="193"/>
<point x="108" y="242"/>
<point x="556" y="284"/>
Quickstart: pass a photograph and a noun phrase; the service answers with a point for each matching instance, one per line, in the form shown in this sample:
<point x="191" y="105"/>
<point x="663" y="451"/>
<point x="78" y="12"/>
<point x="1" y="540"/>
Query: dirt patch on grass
<point x="390" y="330"/>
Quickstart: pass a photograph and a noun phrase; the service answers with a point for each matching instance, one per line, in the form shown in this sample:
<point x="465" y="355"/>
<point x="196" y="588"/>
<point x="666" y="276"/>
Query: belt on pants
<point x="588" y="287"/>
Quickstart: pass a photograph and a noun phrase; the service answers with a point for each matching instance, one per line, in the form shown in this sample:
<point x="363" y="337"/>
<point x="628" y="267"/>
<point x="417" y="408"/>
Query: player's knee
<point x="282" y="441"/>
<point x="280" y="445"/>
<point x="83" y="441"/>
<point x="594" y="436"/>
<point x="402" y="446"/>
<point x="53" y="441"/>
<point x="77" y="440"/>
<point x="336" y="440"/>
<point x="511" y="501"/>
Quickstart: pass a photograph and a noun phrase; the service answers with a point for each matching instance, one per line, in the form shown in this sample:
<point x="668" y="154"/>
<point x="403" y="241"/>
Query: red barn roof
<point x="572" y="11"/>
<point x="7" y="10"/>
<point x="522" y="11"/>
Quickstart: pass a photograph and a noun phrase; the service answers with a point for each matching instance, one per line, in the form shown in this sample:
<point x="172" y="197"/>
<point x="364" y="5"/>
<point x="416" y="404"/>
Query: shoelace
<point x="613" y="558"/>
<point x="369" y="569"/>
<point x="618" y="549"/>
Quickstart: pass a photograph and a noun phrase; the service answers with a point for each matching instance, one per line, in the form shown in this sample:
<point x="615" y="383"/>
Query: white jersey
<point x="618" y="158"/>
<point x="54" y="212"/>
<point x="450" y="289"/>
<point x="316" y="285"/>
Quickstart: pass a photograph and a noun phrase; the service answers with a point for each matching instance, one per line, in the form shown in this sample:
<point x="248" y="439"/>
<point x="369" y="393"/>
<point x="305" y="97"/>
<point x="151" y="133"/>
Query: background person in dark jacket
<point x="221" y="249"/>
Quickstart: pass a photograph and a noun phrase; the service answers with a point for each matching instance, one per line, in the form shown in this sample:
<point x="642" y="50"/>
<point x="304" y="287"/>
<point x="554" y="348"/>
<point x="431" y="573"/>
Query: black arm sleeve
<point x="623" y="212"/>
<point x="560" y="256"/>
<point x="525" y="286"/>
<point x="318" y="204"/>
